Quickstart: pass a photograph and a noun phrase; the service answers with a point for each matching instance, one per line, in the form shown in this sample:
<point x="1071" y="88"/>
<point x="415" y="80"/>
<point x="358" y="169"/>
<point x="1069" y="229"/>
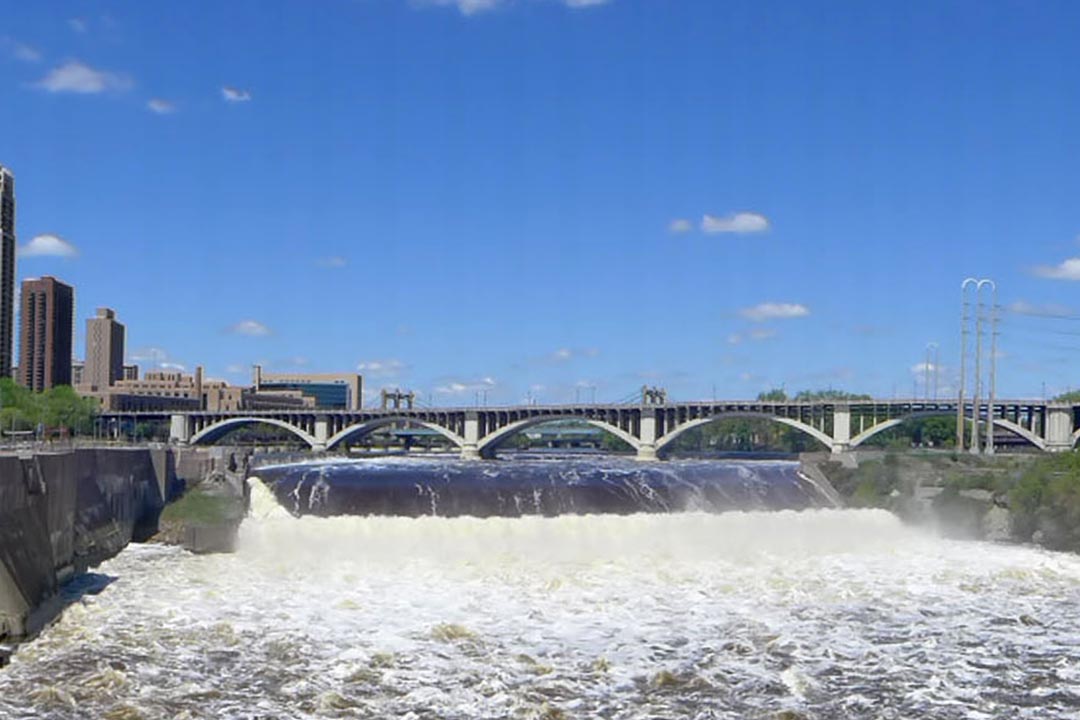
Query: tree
<point x="774" y="395"/>
<point x="829" y="394"/>
<point x="58" y="407"/>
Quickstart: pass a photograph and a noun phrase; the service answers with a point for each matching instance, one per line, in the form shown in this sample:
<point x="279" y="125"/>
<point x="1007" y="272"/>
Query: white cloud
<point x="381" y="368"/>
<point x="923" y="368"/>
<point x="236" y="369"/>
<point x="679" y="226"/>
<point x="19" y="51"/>
<point x="1022" y="307"/>
<point x="155" y="358"/>
<point x="48" y="246"/>
<point x="762" y="333"/>
<point x="75" y="77"/>
<point x="741" y="222"/>
<point x="159" y="106"/>
<point x="566" y="354"/>
<point x="1069" y="269"/>
<point x="333" y="261"/>
<point x="774" y="311"/>
<point x="468" y="7"/>
<point x="252" y="328"/>
<point x="459" y="387"/>
<point x="471" y="7"/>
<point x="153" y="355"/>
<point x="755" y="334"/>
<point x="235" y="95"/>
<point x="78" y="25"/>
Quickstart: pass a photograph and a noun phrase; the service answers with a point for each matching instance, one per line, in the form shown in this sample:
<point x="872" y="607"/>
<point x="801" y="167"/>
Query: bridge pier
<point x="841" y="429"/>
<point x="1059" y="428"/>
<point x="646" y="449"/>
<point x="322" y="434"/>
<point x="647" y="453"/>
<point x="179" y="429"/>
<point x="470" y="449"/>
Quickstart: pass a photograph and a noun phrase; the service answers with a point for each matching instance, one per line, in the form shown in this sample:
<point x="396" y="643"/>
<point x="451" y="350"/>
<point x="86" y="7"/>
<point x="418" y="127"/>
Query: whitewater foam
<point x="826" y="613"/>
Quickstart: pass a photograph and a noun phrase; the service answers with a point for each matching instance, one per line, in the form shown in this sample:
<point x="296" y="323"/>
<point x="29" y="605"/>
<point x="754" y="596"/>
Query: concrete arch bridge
<point x="649" y="429"/>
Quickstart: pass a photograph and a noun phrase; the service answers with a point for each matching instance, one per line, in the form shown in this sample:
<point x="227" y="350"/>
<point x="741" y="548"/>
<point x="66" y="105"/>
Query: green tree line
<point x="56" y="408"/>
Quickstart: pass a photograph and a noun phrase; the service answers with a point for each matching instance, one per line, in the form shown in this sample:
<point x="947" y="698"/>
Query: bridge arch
<point x="213" y="432"/>
<point x="490" y="442"/>
<point x="361" y="429"/>
<point x="998" y="422"/>
<point x="669" y="437"/>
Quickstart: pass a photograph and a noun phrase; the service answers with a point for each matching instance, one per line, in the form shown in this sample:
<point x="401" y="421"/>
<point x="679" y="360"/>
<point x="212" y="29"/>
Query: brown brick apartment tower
<point x="46" y="333"/>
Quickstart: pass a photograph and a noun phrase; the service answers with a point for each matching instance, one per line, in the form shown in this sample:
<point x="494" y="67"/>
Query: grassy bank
<point x="200" y="508"/>
<point x="206" y="517"/>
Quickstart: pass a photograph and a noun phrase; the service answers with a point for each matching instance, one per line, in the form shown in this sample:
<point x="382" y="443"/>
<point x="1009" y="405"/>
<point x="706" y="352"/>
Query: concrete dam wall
<point x="61" y="513"/>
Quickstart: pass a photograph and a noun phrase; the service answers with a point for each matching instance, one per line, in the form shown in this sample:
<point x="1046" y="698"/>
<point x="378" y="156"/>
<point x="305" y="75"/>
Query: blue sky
<point x="541" y="197"/>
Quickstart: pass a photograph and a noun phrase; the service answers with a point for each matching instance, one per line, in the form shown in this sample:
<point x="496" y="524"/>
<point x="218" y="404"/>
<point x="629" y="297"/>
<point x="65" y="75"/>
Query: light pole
<point x="976" y="410"/>
<point x="931" y="365"/>
<point x="963" y="360"/>
<point x="993" y="368"/>
<point x="980" y="318"/>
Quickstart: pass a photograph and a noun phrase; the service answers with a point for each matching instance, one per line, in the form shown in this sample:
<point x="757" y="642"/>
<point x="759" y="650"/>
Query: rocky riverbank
<point x="1015" y="498"/>
<point x="206" y="517"/>
<point x="62" y="513"/>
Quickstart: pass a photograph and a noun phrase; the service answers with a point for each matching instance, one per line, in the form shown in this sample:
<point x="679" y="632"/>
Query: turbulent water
<point x="821" y="613"/>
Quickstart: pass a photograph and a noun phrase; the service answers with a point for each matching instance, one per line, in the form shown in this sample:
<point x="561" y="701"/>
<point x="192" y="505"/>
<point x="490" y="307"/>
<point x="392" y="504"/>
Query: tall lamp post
<point x="963" y="359"/>
<point x="993" y="368"/>
<point x="930" y="366"/>
<point x="980" y="318"/>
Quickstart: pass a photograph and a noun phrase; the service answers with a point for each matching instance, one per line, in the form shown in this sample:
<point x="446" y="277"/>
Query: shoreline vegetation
<point x="1021" y="498"/>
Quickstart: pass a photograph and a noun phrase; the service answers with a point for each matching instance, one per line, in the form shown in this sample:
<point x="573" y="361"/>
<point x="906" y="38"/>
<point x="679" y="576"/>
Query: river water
<point x="819" y="613"/>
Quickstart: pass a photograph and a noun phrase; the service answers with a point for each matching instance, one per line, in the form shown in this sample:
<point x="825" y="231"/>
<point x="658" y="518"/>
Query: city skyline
<point x="494" y="196"/>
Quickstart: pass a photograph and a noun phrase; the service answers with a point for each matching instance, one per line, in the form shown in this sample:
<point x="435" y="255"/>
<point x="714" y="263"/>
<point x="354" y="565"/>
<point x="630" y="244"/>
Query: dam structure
<point x="648" y="427"/>
<point x="64" y="512"/>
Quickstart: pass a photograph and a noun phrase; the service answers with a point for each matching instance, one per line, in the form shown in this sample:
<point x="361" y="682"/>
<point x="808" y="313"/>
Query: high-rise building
<point x="7" y="269"/>
<point x="46" y="333"/>
<point x="104" y="350"/>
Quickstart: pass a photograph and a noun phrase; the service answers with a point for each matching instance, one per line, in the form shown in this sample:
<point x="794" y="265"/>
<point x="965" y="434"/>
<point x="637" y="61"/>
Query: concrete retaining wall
<point x="61" y="513"/>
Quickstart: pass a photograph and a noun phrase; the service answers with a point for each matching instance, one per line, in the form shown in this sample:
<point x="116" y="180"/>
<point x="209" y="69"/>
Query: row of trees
<point x="57" y="409"/>
<point x="780" y="395"/>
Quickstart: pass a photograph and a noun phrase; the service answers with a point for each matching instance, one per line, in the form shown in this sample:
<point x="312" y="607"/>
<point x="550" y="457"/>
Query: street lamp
<point x="980" y="317"/>
<point x="993" y="368"/>
<point x="963" y="359"/>
<point x="931" y="362"/>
